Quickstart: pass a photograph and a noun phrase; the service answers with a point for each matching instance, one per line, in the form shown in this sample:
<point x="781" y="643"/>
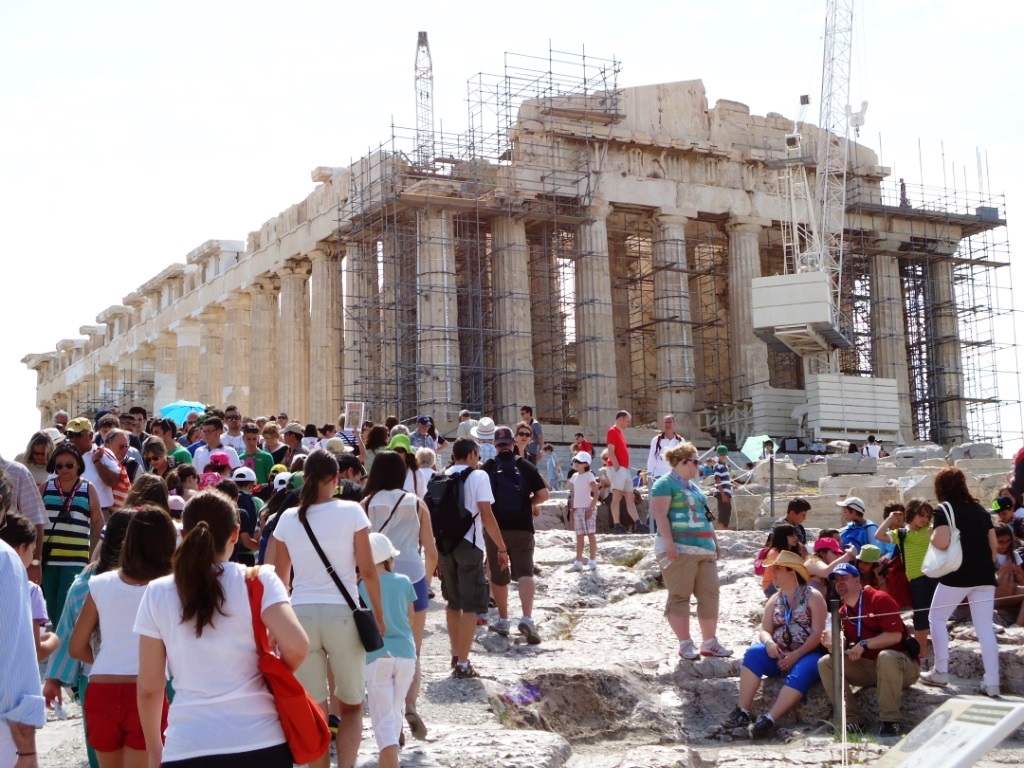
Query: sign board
<point x="957" y="734"/>
<point x="355" y="414"/>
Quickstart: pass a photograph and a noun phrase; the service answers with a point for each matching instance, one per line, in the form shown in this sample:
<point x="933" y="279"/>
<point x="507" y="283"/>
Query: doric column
<point x="138" y="371"/>
<point x="187" y="332"/>
<point x="263" y="346"/>
<point x="438" y="371"/>
<point x="673" y="331"/>
<point x="547" y="325"/>
<point x="513" y="328"/>
<point x="325" y="344"/>
<point x="947" y="368"/>
<point x="165" y="370"/>
<point x="293" y="340"/>
<point x="211" y="351"/>
<point x="355" y="321"/>
<point x="236" y="386"/>
<point x="595" y="327"/>
<point x="889" y="334"/>
<point x="392" y="320"/>
<point x="748" y="354"/>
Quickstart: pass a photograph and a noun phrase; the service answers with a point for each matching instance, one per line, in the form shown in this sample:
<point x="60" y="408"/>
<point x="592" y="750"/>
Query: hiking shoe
<point x="737" y="719"/>
<point x="527" y="630"/>
<point x="333" y="721"/>
<point x="416" y="726"/>
<point x="619" y="528"/>
<point x="641" y="528"/>
<point x="933" y="678"/>
<point x="465" y="672"/>
<point x="455" y="660"/>
<point x="992" y="691"/>
<point x="711" y="647"/>
<point x="500" y="626"/>
<point x="761" y="727"/>
<point x="688" y="651"/>
<point x="591" y="566"/>
<point x="576" y="567"/>
<point x="889" y="730"/>
<point x="481" y="620"/>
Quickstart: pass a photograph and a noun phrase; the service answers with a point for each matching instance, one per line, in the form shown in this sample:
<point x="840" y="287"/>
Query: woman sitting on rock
<point x="828" y="553"/>
<point x="783" y="538"/>
<point x="789" y="644"/>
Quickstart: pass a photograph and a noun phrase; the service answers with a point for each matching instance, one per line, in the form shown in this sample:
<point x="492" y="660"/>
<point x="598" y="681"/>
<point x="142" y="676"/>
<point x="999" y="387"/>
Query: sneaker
<point x="936" y="679"/>
<point x="465" y="672"/>
<point x="761" y="727"/>
<point x="688" y="651"/>
<point x="576" y="567"/>
<point x="333" y="721"/>
<point x="711" y="647"/>
<point x="500" y="626"/>
<point x="481" y="620"/>
<point x="992" y="691"/>
<point x="737" y="719"/>
<point x="619" y="528"/>
<point x="591" y="566"/>
<point x="527" y="630"/>
<point x="641" y="528"/>
<point x="888" y="730"/>
<point x="416" y="726"/>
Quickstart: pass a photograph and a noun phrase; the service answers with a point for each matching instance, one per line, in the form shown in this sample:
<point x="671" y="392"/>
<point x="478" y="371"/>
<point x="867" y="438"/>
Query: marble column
<point x="438" y="371"/>
<point x="748" y="354"/>
<point x="595" y="327"/>
<point x="673" y="329"/>
<point x="391" y="320"/>
<point x="548" y="342"/>
<point x="211" y="351"/>
<point x="165" y="370"/>
<point x="138" y="370"/>
<point x="235" y="384"/>
<point x="889" y="334"/>
<point x="355" y="320"/>
<point x="513" y="327"/>
<point x="325" y="344"/>
<point x="264" y="353"/>
<point x="947" y="366"/>
<point x="187" y="332"/>
<point x="293" y="340"/>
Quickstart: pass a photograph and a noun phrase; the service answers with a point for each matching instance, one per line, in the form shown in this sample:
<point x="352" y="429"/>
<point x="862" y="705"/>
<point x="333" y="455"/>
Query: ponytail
<point x="320" y="465"/>
<point x="208" y="521"/>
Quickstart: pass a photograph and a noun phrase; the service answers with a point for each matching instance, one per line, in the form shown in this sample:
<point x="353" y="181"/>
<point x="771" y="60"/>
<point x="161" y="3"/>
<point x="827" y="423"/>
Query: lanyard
<point x="860" y="614"/>
<point x="68" y="499"/>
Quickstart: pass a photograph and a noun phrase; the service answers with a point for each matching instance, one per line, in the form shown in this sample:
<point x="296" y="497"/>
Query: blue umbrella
<point x="753" y="446"/>
<point x="179" y="411"/>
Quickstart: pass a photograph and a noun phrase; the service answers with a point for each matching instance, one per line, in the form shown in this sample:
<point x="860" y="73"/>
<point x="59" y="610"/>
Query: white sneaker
<point x="711" y="647"/>
<point x="575" y="567"/>
<point x="591" y="566"/>
<point x="529" y="631"/>
<point x="500" y="626"/>
<point x="688" y="651"/>
<point x="933" y="678"/>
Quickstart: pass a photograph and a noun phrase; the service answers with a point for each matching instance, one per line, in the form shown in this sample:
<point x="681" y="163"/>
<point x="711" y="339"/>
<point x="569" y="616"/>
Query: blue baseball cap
<point x="846" y="569"/>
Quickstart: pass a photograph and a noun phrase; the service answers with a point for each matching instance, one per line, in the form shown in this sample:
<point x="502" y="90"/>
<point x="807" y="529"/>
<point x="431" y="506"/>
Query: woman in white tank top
<point x="404" y="519"/>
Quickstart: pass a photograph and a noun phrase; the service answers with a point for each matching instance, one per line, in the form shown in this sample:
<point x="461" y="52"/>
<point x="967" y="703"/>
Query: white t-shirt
<point x="416" y="483"/>
<point x="117" y="604"/>
<point x="656" y="464"/>
<point x="104" y="491"/>
<point x="476" y="489"/>
<point x="221" y="703"/>
<point x="581" y="490"/>
<point x="872" y="450"/>
<point x="334" y="524"/>
<point x="202" y="457"/>
<point x="234" y="441"/>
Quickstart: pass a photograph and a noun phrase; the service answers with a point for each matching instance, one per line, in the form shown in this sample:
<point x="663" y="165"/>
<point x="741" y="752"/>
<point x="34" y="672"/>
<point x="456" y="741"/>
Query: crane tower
<point x="424" y="102"/>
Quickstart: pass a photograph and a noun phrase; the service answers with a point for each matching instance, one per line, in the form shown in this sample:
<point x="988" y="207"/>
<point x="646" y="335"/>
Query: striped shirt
<point x="21" y="694"/>
<point x="723" y="480"/>
<point x="61" y="665"/>
<point x="66" y="539"/>
<point x="25" y="491"/>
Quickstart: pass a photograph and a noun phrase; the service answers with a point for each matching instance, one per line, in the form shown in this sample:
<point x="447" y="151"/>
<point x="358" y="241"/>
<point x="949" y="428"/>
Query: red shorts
<point x="112" y="717"/>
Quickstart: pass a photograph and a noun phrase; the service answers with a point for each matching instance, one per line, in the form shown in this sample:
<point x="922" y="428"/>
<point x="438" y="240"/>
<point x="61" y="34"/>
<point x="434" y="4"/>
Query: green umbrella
<point x="754" y="445"/>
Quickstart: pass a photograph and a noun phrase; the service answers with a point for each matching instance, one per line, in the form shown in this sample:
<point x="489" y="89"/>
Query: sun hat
<point x="296" y="481"/>
<point x="792" y="561"/>
<point x="75" y="426"/>
<point x="295" y="428"/>
<point x="281" y="481"/>
<point x="278" y="468"/>
<point x="175" y="503"/>
<point x="869" y="553"/>
<point x="846" y="569"/>
<point x="853" y="503"/>
<point x="583" y="458"/>
<point x="219" y="459"/>
<point x="827" y="542"/>
<point x="484" y="430"/>
<point x="337" y="445"/>
<point x="244" y="475"/>
<point x="400" y="442"/>
<point x="504" y="436"/>
<point x="722" y="450"/>
<point x="382" y="548"/>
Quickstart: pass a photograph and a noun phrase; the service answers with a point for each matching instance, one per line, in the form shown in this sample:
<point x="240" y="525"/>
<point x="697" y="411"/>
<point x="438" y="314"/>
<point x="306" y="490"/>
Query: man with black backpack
<point x="517" y="487"/>
<point x="460" y="501"/>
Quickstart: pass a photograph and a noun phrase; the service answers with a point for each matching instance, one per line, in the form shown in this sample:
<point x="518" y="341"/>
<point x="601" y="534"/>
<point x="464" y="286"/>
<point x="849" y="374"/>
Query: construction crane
<point x="424" y="103"/>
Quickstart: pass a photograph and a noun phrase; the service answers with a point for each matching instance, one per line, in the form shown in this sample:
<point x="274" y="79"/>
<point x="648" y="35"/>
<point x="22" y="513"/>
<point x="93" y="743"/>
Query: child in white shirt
<point x="584" y="510"/>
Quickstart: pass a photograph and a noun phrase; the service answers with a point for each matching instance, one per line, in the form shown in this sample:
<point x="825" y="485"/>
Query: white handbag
<point x="939" y="562"/>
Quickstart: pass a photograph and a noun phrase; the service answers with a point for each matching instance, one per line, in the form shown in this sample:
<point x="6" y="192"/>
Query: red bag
<point x="759" y="561"/>
<point x="305" y="727"/>
<point x="894" y="575"/>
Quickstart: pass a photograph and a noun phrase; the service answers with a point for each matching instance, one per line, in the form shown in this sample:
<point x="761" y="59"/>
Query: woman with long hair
<point x="376" y="441"/>
<point x="783" y="538"/>
<point x="974" y="580"/>
<point x="188" y="480"/>
<point x="148" y="489"/>
<point x="341" y="529"/>
<point x="111" y="706"/>
<point x="405" y="520"/>
<point x="36" y="456"/>
<point x="75" y="521"/>
<point x="198" y="624"/>
<point x="414" y="483"/>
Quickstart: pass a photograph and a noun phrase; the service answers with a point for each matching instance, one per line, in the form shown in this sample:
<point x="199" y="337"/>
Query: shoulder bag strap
<point x="951" y="517"/>
<point x="327" y="564"/>
<point x="393" y="510"/>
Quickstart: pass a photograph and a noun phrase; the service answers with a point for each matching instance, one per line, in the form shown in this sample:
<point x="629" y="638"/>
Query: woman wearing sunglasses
<point x="76" y="519"/>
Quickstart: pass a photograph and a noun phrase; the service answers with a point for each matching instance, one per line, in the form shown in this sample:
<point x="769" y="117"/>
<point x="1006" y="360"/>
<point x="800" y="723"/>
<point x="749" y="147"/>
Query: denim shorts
<point x="801" y="675"/>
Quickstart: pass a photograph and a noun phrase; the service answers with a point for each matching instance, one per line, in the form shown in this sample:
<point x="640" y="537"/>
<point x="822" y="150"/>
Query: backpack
<point x="448" y="514"/>
<point x="762" y="554"/>
<point x="858" y="535"/>
<point x="894" y="573"/>
<point x="511" y="495"/>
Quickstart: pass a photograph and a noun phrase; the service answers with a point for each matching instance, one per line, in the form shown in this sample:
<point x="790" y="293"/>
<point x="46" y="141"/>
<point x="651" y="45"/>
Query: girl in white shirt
<point x="113" y="729"/>
<point x="197" y="625"/>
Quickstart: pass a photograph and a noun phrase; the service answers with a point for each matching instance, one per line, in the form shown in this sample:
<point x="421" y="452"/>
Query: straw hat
<point x="792" y="561"/>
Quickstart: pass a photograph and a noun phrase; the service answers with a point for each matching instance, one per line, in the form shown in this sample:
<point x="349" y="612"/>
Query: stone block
<point x="988" y="487"/>
<point x="785" y="473"/>
<point x="913" y="455"/>
<point x="918" y="487"/>
<point x="991" y="466"/>
<point x="823" y="512"/>
<point x="875" y="499"/>
<point x="810" y="474"/>
<point x="745" y="510"/>
<point x="934" y="463"/>
<point x="973" y="451"/>
<point x="851" y="464"/>
<point x="850" y="484"/>
<point x="554" y="516"/>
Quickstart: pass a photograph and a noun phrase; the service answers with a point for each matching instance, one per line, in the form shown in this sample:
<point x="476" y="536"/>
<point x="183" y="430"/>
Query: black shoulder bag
<point x="366" y="625"/>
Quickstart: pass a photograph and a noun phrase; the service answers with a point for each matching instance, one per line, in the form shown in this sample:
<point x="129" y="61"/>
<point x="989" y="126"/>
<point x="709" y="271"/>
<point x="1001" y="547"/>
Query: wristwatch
<point x="863" y="643"/>
<point x="35" y="563"/>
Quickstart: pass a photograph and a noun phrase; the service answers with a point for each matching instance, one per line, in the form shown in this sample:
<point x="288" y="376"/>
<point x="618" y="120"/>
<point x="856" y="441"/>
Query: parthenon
<point x="582" y="247"/>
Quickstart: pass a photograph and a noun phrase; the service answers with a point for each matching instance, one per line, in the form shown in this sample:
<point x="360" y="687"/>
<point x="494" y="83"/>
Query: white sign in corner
<point x="957" y="734"/>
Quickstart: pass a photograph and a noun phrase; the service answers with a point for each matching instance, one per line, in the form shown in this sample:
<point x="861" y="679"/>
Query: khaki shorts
<point x="692" y="575"/>
<point x="334" y="640"/>
<point x="463" y="580"/>
<point x="520" y="557"/>
<point x="621" y="479"/>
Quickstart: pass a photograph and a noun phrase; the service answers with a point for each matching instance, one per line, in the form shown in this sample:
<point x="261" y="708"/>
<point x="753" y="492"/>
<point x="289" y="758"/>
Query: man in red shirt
<point x="620" y="475"/>
<point x="872" y="641"/>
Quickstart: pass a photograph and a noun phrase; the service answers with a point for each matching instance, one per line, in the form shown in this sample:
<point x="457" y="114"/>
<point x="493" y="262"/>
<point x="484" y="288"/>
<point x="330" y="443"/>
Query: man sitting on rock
<point x="858" y="531"/>
<point x="796" y="513"/>
<point x="872" y="640"/>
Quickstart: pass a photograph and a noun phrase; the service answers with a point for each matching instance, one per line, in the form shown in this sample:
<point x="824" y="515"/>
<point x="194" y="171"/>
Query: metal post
<point x="838" y="659"/>
<point x="771" y="482"/>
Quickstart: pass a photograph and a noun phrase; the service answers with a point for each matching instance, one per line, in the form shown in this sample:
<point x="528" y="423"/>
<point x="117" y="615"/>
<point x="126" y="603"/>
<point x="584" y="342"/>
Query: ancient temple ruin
<point x="582" y="247"/>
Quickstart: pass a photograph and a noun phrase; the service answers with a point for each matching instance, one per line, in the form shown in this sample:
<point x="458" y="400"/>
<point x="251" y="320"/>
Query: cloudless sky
<point x="132" y="132"/>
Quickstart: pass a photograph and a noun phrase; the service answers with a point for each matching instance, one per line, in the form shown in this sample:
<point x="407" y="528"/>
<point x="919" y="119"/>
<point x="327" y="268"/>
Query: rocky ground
<point x="606" y="689"/>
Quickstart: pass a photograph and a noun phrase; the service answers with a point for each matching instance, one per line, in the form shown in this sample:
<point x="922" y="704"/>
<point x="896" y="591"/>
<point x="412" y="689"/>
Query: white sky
<point x="130" y="133"/>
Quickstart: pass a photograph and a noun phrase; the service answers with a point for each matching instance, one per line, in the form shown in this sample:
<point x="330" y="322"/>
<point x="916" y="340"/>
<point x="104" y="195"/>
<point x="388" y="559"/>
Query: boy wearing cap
<point x="584" y="495"/>
<point x="873" y="644"/>
<point x="858" y="531"/>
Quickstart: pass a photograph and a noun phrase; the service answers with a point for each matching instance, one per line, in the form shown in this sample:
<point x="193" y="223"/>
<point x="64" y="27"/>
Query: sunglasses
<point x="150" y="459"/>
<point x="695" y="462"/>
<point x="233" y="418"/>
<point x="524" y="434"/>
<point x="64" y="466"/>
